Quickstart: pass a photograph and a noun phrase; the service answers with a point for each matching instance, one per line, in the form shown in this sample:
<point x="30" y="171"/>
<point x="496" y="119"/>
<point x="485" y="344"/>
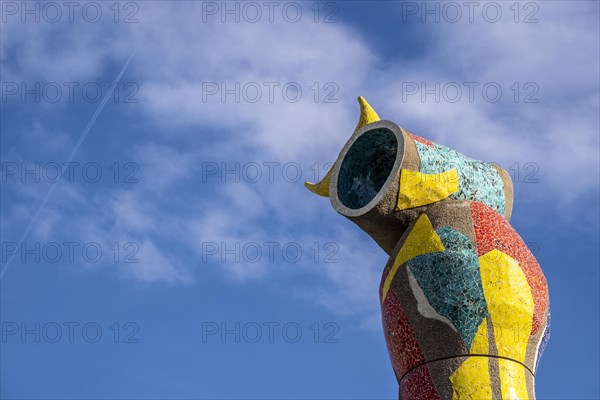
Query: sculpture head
<point x="384" y="176"/>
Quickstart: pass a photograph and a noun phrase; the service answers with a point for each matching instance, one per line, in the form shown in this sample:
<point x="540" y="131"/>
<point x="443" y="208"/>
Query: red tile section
<point x="402" y="344"/>
<point x="417" y="385"/>
<point x="420" y="139"/>
<point x="494" y="232"/>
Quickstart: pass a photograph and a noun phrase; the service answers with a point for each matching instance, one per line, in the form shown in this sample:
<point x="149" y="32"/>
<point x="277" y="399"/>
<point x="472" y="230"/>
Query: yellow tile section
<point x="422" y="239"/>
<point x="512" y="380"/>
<point x="510" y="305"/>
<point x="472" y="379"/>
<point x="480" y="343"/>
<point x="367" y="116"/>
<point x="417" y="189"/>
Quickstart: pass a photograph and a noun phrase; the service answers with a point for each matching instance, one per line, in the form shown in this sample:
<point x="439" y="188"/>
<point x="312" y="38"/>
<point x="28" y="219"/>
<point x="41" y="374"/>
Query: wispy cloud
<point x="182" y="127"/>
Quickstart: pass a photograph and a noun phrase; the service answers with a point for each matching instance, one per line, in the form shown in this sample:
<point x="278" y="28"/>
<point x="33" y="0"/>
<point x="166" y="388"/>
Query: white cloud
<point x="160" y="167"/>
<point x="176" y="53"/>
<point x="351" y="283"/>
<point x="155" y="266"/>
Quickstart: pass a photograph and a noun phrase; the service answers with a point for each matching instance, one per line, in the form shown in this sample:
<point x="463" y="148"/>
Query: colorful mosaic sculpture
<point x="464" y="303"/>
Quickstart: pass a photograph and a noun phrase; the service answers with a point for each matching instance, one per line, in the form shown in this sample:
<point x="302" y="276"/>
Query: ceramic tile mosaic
<point x="451" y="282"/>
<point x="544" y="341"/>
<point x="464" y="303"/>
<point x="418" y="385"/>
<point x="494" y="232"/>
<point x="477" y="180"/>
<point x="402" y="344"/>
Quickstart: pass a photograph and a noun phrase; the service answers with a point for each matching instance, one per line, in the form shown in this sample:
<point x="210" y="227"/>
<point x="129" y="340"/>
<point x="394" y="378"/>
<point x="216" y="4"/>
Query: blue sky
<point x="180" y="256"/>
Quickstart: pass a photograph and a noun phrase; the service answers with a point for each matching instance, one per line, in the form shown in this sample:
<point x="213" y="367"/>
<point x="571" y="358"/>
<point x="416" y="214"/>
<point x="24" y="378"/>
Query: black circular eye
<point x="366" y="167"/>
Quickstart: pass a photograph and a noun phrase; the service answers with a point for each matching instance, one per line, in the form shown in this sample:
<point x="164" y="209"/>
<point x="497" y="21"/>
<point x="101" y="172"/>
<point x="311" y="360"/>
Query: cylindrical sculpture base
<point x="472" y="378"/>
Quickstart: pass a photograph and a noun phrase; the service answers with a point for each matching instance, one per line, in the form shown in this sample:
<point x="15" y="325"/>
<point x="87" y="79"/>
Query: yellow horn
<point x="321" y="188"/>
<point x="367" y="116"/>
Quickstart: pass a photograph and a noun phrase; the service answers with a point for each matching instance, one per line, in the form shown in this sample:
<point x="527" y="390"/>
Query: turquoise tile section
<point x="451" y="282"/>
<point x="477" y="180"/>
